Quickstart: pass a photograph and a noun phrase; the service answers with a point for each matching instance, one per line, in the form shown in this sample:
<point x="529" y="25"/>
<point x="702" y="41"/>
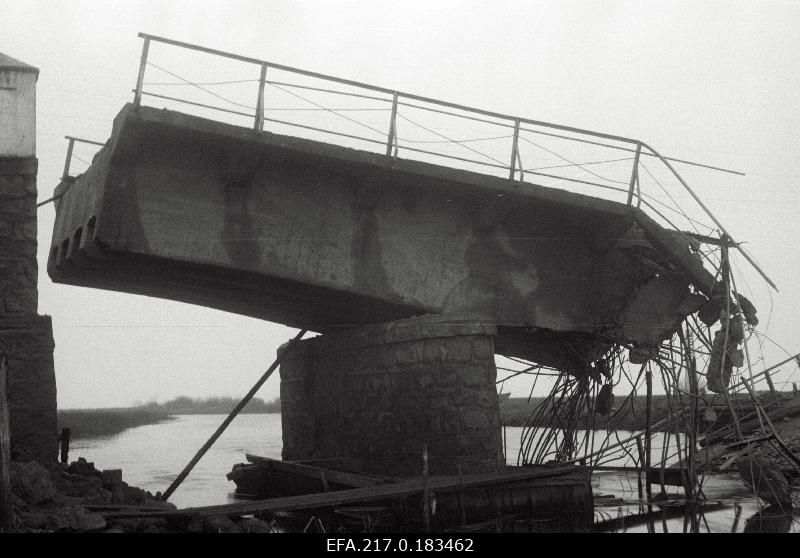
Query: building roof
<point x="8" y="63"/>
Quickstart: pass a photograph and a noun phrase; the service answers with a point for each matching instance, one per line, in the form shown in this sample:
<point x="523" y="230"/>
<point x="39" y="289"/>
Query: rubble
<point x="69" y="499"/>
<point x="56" y="498"/>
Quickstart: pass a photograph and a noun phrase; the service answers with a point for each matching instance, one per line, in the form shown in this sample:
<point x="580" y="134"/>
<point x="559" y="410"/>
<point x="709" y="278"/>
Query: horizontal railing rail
<point x="70" y="147"/>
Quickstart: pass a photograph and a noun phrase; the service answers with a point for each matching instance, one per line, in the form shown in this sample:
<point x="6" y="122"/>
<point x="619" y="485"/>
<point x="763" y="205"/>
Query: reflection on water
<point x="730" y="505"/>
<point x="152" y="456"/>
<point x="709" y="517"/>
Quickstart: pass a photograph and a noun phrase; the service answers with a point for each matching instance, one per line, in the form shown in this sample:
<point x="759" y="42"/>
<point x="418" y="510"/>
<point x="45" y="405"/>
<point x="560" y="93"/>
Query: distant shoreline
<point x="94" y="423"/>
<point x="515" y="411"/>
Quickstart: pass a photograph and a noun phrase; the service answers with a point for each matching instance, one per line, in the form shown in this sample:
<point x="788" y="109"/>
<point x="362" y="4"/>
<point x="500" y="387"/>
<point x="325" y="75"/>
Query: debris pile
<point x="81" y="498"/>
<point x="61" y="498"/>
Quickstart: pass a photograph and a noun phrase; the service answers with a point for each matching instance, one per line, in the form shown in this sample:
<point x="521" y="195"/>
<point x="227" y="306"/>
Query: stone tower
<point x="25" y="337"/>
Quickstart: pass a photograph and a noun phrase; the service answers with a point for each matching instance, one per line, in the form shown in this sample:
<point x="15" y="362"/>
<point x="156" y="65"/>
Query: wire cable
<point x="450" y="139"/>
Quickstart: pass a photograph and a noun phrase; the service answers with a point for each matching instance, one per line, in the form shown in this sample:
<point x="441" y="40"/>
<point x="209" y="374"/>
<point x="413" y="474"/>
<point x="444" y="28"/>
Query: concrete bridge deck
<point x="319" y="236"/>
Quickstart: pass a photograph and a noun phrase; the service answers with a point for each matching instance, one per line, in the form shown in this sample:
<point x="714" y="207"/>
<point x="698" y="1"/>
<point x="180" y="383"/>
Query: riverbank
<point x="515" y="411"/>
<point x="80" y="498"/>
<point x="211" y="406"/>
<point x="93" y="423"/>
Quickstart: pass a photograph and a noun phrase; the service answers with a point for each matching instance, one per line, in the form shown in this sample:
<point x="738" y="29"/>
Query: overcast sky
<point x="716" y="82"/>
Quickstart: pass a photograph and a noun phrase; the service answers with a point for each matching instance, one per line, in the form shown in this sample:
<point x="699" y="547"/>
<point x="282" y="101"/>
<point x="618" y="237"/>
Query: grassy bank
<point x="91" y="423"/>
<point x="211" y="406"/>
<point x="515" y="411"/>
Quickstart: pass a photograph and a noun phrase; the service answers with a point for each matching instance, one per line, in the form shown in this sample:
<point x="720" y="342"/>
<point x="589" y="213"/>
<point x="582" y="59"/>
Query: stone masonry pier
<point x="25" y="337"/>
<point x="368" y="399"/>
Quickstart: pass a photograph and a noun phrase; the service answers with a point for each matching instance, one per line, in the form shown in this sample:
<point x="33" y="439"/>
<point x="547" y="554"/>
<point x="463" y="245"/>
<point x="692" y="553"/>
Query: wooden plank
<point x="117" y="507"/>
<point x="311" y="471"/>
<point x="548" y="476"/>
<point x="5" y="450"/>
<point x="787" y="410"/>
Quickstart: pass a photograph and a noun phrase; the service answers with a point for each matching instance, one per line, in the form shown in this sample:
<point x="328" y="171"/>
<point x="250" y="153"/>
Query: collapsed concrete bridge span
<point x="416" y="274"/>
<point x="325" y="237"/>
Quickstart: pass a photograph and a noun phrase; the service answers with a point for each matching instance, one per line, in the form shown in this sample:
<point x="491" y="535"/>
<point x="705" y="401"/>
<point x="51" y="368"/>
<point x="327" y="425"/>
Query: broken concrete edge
<point x="674" y="245"/>
<point x="664" y="241"/>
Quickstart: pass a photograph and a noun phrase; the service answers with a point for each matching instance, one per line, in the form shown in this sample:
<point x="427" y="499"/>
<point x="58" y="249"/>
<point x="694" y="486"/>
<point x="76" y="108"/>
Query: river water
<point x="151" y="456"/>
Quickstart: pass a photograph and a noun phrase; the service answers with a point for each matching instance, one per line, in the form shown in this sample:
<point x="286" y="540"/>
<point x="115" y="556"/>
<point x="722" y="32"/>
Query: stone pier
<point x="369" y="398"/>
<point x="25" y="337"/>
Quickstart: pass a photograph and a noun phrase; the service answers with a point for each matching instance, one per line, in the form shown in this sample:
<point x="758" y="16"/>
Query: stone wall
<point x="28" y="342"/>
<point x="25" y="337"/>
<point x="18" y="267"/>
<point x="369" y="398"/>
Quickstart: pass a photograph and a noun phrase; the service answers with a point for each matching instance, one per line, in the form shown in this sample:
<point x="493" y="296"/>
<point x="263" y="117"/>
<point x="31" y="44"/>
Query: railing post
<point x="634" y="173"/>
<point x="137" y="98"/>
<point x="392" y="140"/>
<point x="69" y="159"/>
<point x="514" y="151"/>
<point x="259" y="125"/>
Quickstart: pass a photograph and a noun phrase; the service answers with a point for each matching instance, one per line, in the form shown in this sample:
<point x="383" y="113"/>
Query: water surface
<point x="152" y="456"/>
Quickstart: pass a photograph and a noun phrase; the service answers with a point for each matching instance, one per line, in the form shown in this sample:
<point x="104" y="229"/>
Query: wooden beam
<point x="202" y="451"/>
<point x="312" y="472"/>
<point x="548" y="476"/>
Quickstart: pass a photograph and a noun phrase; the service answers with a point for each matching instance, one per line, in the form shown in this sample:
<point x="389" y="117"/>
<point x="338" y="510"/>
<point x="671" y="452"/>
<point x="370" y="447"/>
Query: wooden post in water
<point x="642" y="460"/>
<point x="505" y="453"/>
<point x="65" y="434"/>
<point x="202" y="451"/>
<point x="691" y="447"/>
<point x="5" y="450"/>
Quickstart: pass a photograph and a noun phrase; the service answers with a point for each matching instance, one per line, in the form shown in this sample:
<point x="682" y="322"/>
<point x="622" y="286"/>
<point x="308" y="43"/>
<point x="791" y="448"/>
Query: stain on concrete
<point x="239" y="232"/>
<point x="367" y="249"/>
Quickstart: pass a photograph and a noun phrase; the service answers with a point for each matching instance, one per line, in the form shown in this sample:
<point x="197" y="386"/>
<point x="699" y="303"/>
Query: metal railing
<point x="70" y="148"/>
<point x="387" y="140"/>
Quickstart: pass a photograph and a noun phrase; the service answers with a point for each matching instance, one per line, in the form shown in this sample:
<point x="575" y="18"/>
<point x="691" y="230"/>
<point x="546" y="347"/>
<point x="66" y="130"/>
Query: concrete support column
<point x="368" y="399"/>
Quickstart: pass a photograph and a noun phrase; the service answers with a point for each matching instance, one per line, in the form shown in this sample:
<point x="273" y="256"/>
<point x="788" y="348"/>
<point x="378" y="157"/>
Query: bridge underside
<point x="324" y="237"/>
